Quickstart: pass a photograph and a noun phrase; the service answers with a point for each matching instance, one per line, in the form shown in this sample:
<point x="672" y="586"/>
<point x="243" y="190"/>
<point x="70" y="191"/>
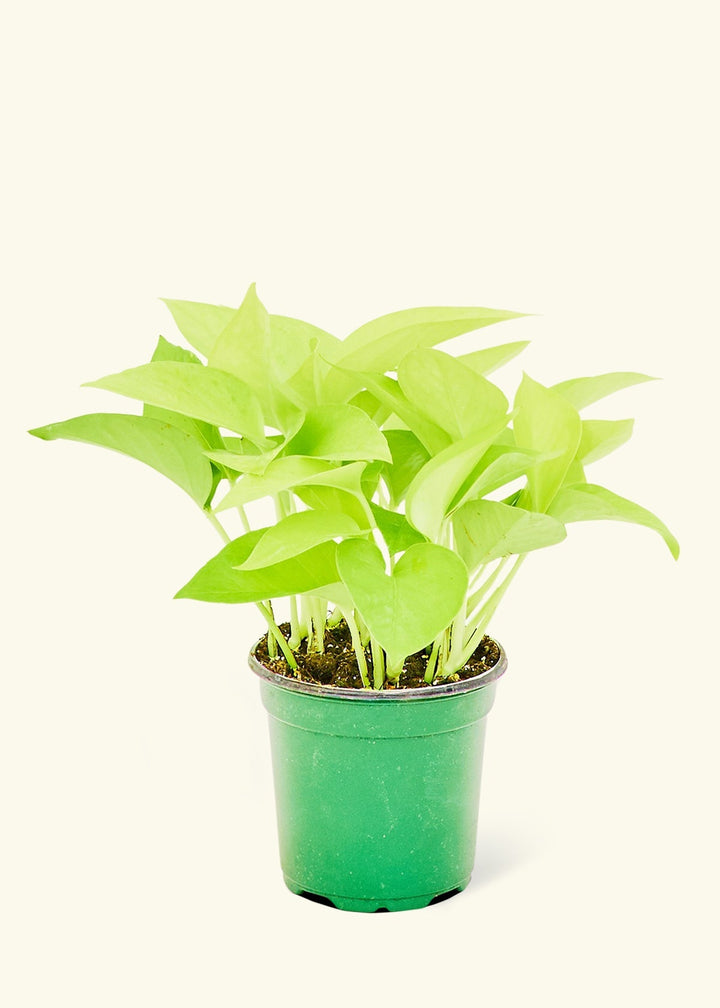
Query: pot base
<point x="356" y="905"/>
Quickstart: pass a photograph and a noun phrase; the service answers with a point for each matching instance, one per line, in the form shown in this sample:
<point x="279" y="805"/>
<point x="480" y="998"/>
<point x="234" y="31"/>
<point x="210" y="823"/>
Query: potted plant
<point x="407" y="494"/>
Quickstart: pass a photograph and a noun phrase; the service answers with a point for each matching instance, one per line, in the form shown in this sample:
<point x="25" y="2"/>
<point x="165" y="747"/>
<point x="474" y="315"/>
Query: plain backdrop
<point x="555" y="158"/>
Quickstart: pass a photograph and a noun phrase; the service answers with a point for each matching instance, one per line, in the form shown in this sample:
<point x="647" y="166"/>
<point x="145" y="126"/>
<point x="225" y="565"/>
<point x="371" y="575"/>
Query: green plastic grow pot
<point x="377" y="792"/>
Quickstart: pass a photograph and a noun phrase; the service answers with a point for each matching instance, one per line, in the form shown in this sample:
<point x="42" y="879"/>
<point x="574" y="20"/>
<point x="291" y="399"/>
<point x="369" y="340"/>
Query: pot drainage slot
<point x="317" y="899"/>
<point x="443" y="896"/>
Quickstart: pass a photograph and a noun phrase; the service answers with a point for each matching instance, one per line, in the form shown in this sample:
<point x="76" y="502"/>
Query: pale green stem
<point x="316" y="637"/>
<point x="458" y="634"/>
<point x="305" y="625"/>
<point x="362" y="627"/>
<point x="277" y="634"/>
<point x="378" y="664"/>
<point x="432" y="661"/>
<point x="477" y="597"/>
<point x="296" y="629"/>
<point x="486" y="614"/>
<point x="358" y="648"/>
<point x="264" y="608"/>
<point x="243" y="517"/>
<point x="321" y="622"/>
<point x="216" y="524"/>
<point x="272" y="642"/>
<point x="443" y="653"/>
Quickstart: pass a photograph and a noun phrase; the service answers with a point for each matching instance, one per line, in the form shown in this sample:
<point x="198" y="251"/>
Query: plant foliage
<point x="380" y="453"/>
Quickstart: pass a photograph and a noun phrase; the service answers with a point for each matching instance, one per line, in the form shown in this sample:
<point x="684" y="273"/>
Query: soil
<point x="337" y="666"/>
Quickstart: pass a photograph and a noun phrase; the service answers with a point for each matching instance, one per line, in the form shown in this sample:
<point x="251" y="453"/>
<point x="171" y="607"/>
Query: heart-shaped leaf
<point x="262" y="356"/>
<point x="388" y="392"/>
<point x="280" y="474"/>
<point x="207" y="435"/>
<point x="202" y="323"/>
<point x="220" y="580"/>
<point x="339" y="432"/>
<point x="453" y="396"/>
<point x="589" y="502"/>
<point x="406" y="610"/>
<point x="199" y="392"/>
<point x="545" y="422"/>
<point x="172" y="452"/>
<point x="487" y="530"/>
<point x="409" y="455"/>
<point x="296" y="534"/>
<point x="430" y="494"/>
<point x="396" y="530"/>
<point x="499" y="465"/>
<point x="381" y="344"/>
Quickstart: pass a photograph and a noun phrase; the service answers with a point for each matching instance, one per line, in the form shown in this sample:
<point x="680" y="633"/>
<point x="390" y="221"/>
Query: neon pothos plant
<point x="387" y="461"/>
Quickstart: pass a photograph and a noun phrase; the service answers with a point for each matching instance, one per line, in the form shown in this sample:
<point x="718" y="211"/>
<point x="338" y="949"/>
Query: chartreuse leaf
<point x="170" y="451"/>
<point x="202" y="393"/>
<point x="298" y="533"/>
<point x="388" y="391"/>
<point x="291" y="332"/>
<point x="339" y="432"/>
<point x="249" y="348"/>
<point x="545" y="422"/>
<point x="199" y="323"/>
<point x="430" y="494"/>
<point x="304" y="387"/>
<point x="280" y="474"/>
<point x="589" y="502"/>
<point x="499" y="465"/>
<point x="395" y="529"/>
<point x="220" y="581"/>
<point x="405" y="611"/>
<point x="600" y="437"/>
<point x="207" y="435"/>
<point x="242" y="346"/>
<point x="370" y="404"/>
<point x="244" y="462"/>
<point x="380" y="345"/>
<point x="453" y="396"/>
<point x="339" y="489"/>
<point x="327" y="498"/>
<point x="409" y="455"/>
<point x="583" y="392"/>
<point x="487" y="530"/>
<point x="489" y="359"/>
<point x="202" y="323"/>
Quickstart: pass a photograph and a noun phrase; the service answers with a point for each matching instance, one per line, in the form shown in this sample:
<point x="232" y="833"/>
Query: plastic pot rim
<point x="380" y="696"/>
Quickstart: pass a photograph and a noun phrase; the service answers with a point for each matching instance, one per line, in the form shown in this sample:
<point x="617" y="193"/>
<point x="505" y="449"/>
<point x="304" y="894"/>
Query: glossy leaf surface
<point x="589" y="502"/>
<point x="488" y="530"/>
<point x="220" y="581"/>
<point x="432" y="491"/>
<point x="339" y="432"/>
<point x="583" y="392"/>
<point x="298" y="533"/>
<point x="199" y="392"/>
<point x="453" y="396"/>
<point x="545" y="422"/>
<point x="406" y="610"/>
<point x="172" y="452"/>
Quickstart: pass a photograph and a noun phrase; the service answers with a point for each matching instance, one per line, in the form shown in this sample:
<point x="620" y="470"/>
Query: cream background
<point x="555" y="158"/>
